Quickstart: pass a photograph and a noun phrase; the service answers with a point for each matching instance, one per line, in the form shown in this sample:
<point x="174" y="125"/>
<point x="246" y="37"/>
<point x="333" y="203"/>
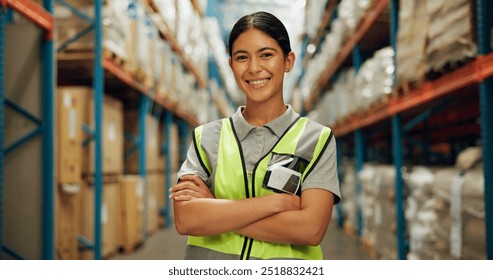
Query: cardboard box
<point x="110" y="218"/>
<point x="112" y="137"/>
<point x="154" y="160"/>
<point x="67" y="209"/>
<point x="158" y="180"/>
<point x="131" y="211"/>
<point x="155" y="201"/>
<point x="69" y="133"/>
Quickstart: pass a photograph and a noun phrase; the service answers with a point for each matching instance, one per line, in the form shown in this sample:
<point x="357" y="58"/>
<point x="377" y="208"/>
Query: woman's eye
<point x="266" y="55"/>
<point x="241" y="57"/>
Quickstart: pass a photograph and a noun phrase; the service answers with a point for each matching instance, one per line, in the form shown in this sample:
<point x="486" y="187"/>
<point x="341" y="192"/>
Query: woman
<point x="262" y="183"/>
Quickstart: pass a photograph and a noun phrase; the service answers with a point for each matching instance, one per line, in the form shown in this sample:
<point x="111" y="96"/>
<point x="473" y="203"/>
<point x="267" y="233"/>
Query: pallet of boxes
<point x="69" y="110"/>
<point x="154" y="186"/>
<point x="112" y="171"/>
<point x="75" y="195"/>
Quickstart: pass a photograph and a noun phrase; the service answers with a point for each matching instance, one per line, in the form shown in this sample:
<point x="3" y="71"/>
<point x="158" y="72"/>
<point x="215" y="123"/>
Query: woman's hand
<point x="190" y="187"/>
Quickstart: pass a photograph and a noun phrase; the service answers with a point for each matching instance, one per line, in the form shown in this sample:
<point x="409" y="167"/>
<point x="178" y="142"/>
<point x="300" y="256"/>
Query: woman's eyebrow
<point x="260" y="50"/>
<point x="267" y="49"/>
<point x="239" y="51"/>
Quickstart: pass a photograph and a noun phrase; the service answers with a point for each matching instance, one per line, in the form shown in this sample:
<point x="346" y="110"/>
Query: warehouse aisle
<point x="166" y="244"/>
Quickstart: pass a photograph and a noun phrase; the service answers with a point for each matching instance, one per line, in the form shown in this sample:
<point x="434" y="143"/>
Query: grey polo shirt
<point x="258" y="141"/>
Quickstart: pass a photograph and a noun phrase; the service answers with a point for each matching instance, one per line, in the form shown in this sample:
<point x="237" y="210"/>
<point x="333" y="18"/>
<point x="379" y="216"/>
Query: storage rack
<point x="475" y="76"/>
<point x="145" y="98"/>
<point x="42" y="17"/>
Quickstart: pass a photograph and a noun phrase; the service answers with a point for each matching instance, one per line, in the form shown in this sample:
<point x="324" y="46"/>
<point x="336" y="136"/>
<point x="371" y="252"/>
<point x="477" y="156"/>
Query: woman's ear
<point x="289" y="61"/>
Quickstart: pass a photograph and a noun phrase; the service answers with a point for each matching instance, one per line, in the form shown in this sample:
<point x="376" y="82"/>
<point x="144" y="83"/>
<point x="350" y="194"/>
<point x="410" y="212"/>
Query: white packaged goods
<point x="450" y="38"/>
<point x="355" y="92"/>
<point x="168" y="11"/>
<point x="378" y="208"/>
<point x="375" y="78"/>
<point x="433" y="34"/>
<point x="316" y="11"/>
<point x="411" y="41"/>
<point x="470" y="225"/>
<point x="420" y="213"/>
<point x="350" y="14"/>
<point x="348" y="192"/>
<point x="469" y="157"/>
<point x="445" y="210"/>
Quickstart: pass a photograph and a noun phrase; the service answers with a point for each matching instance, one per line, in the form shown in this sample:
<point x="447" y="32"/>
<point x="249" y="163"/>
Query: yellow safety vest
<point x="230" y="171"/>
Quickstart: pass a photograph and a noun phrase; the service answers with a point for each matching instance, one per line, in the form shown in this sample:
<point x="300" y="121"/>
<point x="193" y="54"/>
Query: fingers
<point x="195" y="179"/>
<point x="190" y="187"/>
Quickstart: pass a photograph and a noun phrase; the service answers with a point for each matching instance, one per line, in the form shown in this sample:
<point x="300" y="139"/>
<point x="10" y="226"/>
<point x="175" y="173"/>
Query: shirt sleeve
<point x="191" y="165"/>
<point x="324" y="173"/>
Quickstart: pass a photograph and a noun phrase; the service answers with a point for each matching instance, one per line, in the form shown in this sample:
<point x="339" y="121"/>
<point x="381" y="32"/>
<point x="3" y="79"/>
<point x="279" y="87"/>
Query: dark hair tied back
<point x="265" y="22"/>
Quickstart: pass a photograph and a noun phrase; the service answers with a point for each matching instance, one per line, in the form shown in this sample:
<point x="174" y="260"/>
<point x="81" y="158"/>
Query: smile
<point x="258" y="82"/>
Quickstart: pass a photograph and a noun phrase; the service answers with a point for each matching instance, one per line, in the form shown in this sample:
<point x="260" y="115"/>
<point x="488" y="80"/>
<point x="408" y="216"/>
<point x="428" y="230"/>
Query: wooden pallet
<point x="404" y="88"/>
<point x="369" y="247"/>
<point x="349" y="229"/>
<point x="110" y="55"/>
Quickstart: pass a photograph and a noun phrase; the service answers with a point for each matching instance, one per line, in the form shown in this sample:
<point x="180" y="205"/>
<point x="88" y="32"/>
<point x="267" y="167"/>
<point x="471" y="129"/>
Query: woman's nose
<point x="254" y="66"/>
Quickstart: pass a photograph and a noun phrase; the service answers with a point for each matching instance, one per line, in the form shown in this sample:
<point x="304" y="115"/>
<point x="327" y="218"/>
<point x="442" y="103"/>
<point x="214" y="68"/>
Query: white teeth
<point x="259" y="82"/>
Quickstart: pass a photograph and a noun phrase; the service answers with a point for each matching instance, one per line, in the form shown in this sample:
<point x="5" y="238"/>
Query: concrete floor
<point x="166" y="244"/>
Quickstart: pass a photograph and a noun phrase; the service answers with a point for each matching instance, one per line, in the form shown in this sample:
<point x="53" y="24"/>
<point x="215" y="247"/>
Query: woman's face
<point x="258" y="65"/>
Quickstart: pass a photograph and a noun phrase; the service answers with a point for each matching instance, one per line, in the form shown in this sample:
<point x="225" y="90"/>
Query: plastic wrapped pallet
<point x="450" y="36"/>
<point x="375" y="78"/>
<point x="460" y="226"/>
<point x="350" y="12"/>
<point x="115" y="26"/>
<point x="420" y="213"/>
<point x="315" y="13"/>
<point x="350" y="202"/>
<point x="411" y="41"/>
<point x="378" y="208"/>
<point x="367" y="201"/>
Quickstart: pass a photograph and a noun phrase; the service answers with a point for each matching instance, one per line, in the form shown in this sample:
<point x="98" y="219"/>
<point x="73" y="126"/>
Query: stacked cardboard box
<point x="112" y="170"/>
<point x="154" y="169"/>
<point x="69" y="108"/>
<point x="132" y="212"/>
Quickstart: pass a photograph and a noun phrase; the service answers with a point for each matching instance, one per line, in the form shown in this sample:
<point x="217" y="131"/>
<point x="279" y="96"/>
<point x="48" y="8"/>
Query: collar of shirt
<point x="278" y="126"/>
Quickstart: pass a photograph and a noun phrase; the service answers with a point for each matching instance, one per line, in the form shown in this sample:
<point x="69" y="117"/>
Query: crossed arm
<point x="277" y="218"/>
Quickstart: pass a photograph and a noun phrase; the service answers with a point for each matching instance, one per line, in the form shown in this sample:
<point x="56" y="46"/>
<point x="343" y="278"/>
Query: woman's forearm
<point x="306" y="226"/>
<point x="210" y="216"/>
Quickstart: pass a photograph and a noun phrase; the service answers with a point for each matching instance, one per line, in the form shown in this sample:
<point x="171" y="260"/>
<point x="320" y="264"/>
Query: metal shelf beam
<point x="475" y="72"/>
<point x="34" y="13"/>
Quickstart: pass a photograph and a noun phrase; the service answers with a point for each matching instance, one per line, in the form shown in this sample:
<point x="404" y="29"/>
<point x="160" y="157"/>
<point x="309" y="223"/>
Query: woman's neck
<point x="261" y="114"/>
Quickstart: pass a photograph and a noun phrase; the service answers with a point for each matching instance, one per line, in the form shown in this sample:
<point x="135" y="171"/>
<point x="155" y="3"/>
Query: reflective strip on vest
<point x="227" y="185"/>
<point x="197" y="140"/>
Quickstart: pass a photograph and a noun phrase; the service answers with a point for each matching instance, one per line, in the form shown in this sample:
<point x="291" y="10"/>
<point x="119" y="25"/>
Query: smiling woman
<point x="231" y="197"/>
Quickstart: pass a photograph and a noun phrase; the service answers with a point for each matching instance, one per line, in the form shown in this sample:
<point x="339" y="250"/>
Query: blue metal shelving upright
<point x="45" y="130"/>
<point x="398" y="146"/>
<point x="98" y="86"/>
<point x="166" y="212"/>
<point x="2" y="114"/>
<point x="48" y="153"/>
<point x="484" y="24"/>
